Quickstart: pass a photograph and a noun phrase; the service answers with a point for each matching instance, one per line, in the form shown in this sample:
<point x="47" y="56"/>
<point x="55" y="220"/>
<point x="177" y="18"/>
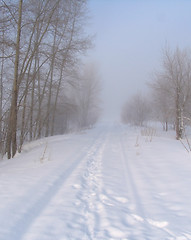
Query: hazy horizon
<point x="129" y="38"/>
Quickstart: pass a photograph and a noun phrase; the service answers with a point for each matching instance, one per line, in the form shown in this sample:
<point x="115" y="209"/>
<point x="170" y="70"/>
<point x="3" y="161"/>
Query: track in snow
<point x="95" y="186"/>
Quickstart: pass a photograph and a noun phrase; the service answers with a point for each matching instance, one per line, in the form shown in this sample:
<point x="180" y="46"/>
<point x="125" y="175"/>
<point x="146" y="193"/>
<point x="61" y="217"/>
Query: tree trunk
<point x="12" y="127"/>
<point x="179" y="130"/>
<point x="166" y="126"/>
<point x="1" y="99"/>
<point x="50" y="87"/>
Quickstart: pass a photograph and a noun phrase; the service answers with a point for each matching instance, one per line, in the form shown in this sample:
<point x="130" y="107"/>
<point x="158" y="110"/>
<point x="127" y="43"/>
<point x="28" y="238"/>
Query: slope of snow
<point x="106" y="183"/>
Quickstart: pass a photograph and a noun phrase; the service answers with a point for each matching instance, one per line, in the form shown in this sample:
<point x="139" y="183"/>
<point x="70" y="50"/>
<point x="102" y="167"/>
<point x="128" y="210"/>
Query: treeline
<point x="42" y="89"/>
<point x="169" y="100"/>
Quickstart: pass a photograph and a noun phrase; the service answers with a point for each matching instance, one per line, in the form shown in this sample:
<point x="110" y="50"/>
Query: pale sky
<point x="130" y="35"/>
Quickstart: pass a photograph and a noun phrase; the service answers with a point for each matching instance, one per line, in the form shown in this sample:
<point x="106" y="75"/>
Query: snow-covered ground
<point x="111" y="182"/>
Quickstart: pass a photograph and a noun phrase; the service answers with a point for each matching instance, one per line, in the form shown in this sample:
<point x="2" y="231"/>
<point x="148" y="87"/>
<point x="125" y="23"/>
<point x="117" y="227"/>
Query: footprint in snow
<point x="116" y="198"/>
<point x="137" y="217"/>
<point x="121" y="199"/>
<point x="76" y="186"/>
<point x="115" y="233"/>
<point x="129" y="220"/>
<point x="157" y="224"/>
<point x="78" y="203"/>
<point x="104" y="199"/>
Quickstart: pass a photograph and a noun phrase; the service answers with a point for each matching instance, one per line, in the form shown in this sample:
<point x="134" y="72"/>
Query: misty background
<point x="66" y="64"/>
<point x="128" y="44"/>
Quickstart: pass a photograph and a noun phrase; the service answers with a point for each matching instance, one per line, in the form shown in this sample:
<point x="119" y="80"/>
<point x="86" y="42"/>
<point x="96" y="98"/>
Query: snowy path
<point x="97" y="185"/>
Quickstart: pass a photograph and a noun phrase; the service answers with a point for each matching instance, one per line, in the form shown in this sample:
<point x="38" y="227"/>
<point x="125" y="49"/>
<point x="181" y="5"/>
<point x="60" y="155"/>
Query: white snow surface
<point x="109" y="182"/>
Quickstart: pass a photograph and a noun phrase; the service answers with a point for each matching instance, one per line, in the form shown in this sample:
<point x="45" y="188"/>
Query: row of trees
<point x="79" y="107"/>
<point x="170" y="100"/>
<point x="40" y="45"/>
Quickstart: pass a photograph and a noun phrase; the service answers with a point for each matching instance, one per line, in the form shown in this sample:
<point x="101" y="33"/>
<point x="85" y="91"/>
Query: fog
<point x="128" y="43"/>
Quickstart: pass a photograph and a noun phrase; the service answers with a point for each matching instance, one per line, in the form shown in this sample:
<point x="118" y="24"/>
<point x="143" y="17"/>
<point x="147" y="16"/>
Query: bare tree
<point x="50" y="40"/>
<point x="173" y="84"/>
<point x="136" y="111"/>
<point x="88" y="97"/>
<point x="12" y="126"/>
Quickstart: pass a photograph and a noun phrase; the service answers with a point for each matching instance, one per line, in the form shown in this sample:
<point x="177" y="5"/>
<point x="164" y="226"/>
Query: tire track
<point x="140" y="214"/>
<point x="152" y="228"/>
<point x="24" y="217"/>
<point x="147" y="179"/>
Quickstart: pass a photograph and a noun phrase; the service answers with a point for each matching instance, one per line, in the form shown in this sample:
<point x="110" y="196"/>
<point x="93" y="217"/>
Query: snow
<point x="110" y="182"/>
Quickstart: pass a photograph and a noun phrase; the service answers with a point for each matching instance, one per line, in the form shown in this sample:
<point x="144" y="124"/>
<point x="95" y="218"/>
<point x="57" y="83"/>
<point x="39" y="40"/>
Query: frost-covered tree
<point x="40" y="42"/>
<point x="172" y="88"/>
<point x="88" y="96"/>
<point x="136" y="111"/>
